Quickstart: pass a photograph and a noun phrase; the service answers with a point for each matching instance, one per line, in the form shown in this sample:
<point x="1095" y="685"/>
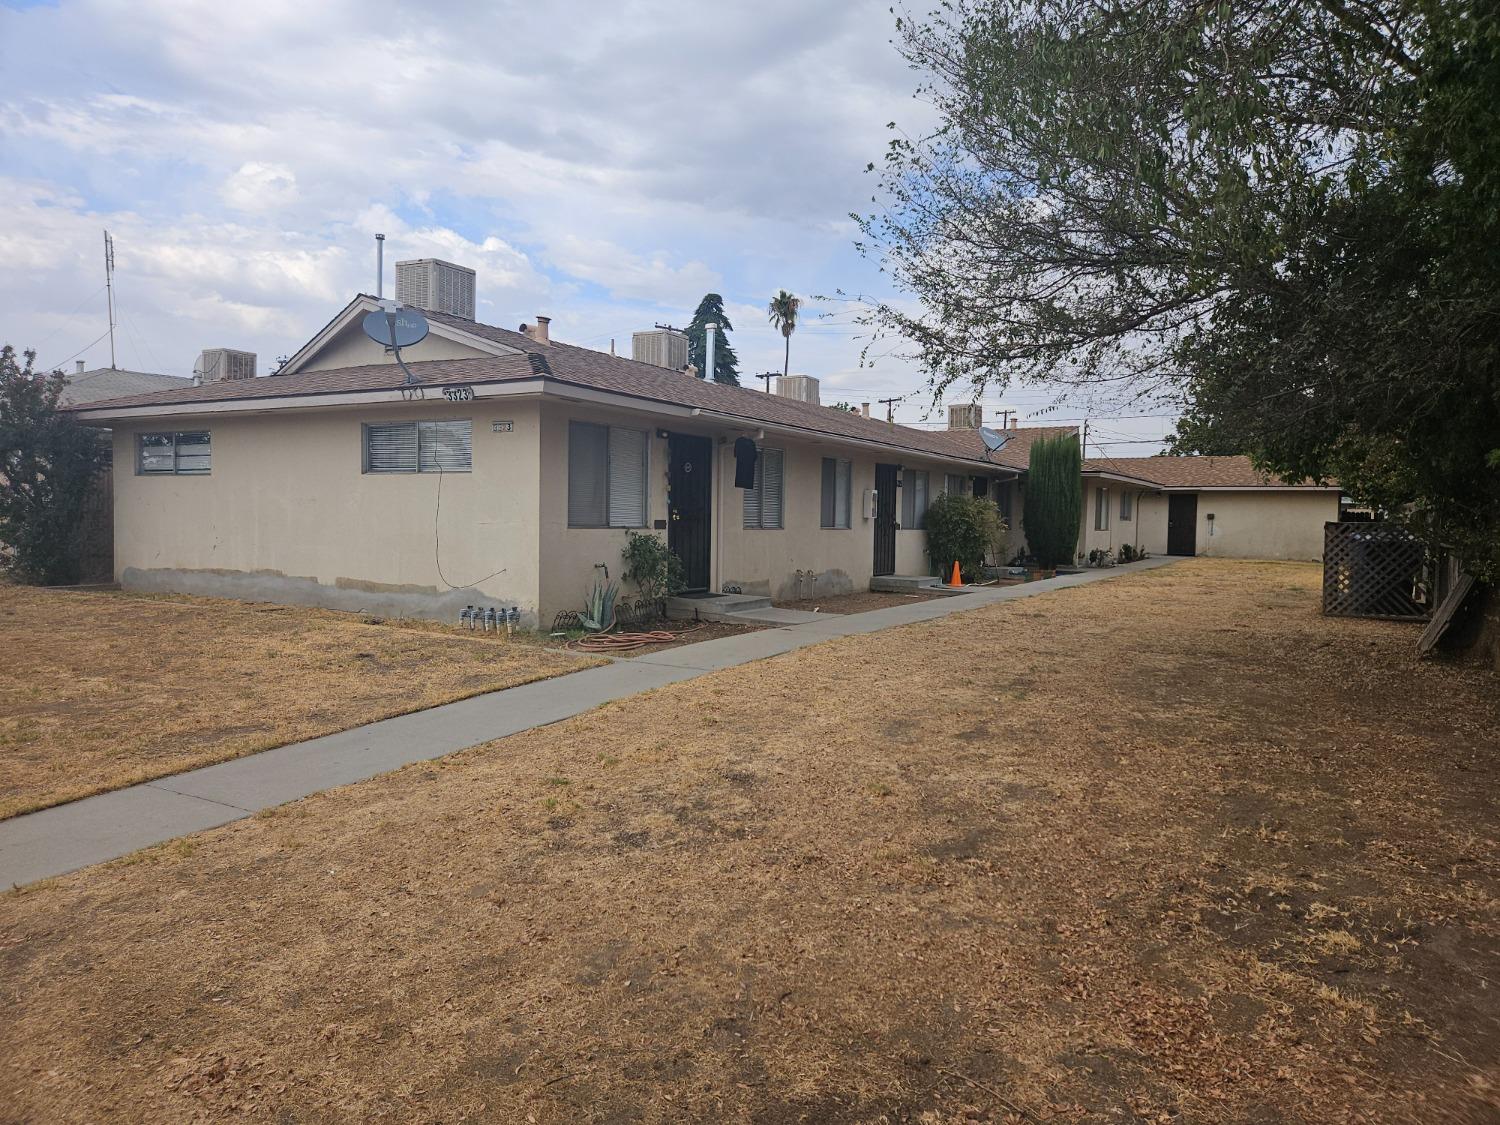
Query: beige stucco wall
<point x="1146" y="527"/>
<point x="831" y="560"/>
<point x="569" y="554"/>
<point x="1285" y="524"/>
<point x="800" y="559"/>
<point x="288" y="515"/>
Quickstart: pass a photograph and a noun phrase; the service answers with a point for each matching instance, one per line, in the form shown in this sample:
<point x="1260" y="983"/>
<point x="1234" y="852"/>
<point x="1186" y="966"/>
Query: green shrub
<point x="654" y="569"/>
<point x="48" y="462"/>
<point x="1054" y="500"/>
<point x="964" y="528"/>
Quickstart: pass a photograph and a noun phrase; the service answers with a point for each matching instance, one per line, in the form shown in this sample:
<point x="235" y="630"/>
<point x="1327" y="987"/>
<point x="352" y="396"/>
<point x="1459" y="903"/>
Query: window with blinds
<point x="837" y="477"/>
<point x="1101" y="509"/>
<point x="607" y="478"/>
<point x="956" y="484"/>
<point x="419" y="447"/>
<point x="174" y="454"/>
<point x="764" y="503"/>
<point x="1127" y="504"/>
<point x="913" y="499"/>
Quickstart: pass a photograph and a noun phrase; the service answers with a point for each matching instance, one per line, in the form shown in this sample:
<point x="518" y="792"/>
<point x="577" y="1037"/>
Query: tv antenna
<point x="109" y="289"/>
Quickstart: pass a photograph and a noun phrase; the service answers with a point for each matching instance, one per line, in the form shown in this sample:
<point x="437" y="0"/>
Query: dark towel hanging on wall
<point x="744" y="463"/>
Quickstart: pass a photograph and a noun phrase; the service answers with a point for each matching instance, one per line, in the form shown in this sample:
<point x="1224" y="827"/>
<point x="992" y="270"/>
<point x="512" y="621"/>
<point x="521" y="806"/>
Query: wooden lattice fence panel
<point x="1374" y="570"/>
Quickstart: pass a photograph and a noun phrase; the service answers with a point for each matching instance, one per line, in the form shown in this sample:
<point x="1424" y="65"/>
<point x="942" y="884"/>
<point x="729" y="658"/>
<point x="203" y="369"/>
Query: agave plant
<point x="599" y="606"/>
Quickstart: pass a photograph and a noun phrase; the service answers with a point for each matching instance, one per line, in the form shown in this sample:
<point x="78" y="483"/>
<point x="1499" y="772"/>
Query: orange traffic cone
<point x="957" y="579"/>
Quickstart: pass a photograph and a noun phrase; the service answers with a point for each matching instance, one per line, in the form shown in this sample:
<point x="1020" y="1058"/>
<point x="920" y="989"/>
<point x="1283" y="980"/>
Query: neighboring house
<point x="1220" y="506"/>
<point x="510" y="473"/>
<point x="103" y="383"/>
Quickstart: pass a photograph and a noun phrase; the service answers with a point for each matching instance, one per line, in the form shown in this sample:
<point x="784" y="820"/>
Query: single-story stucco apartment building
<point x="511" y="471"/>
<point x="1202" y="506"/>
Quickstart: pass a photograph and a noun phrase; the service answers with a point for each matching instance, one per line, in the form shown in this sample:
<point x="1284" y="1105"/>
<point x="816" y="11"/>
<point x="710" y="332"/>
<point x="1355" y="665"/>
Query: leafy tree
<point x="726" y="364"/>
<point x="849" y="406"/>
<point x="1281" y="217"/>
<point x="47" y="463"/>
<point x="783" y="311"/>
<point x="961" y="529"/>
<point x="1054" y="500"/>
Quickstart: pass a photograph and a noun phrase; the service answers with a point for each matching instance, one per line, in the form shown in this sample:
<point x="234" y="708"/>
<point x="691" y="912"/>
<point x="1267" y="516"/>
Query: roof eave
<point x="506" y="388"/>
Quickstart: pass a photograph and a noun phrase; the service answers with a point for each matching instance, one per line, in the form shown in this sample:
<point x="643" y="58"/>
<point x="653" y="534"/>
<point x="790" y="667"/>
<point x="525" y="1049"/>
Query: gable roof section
<point x="453" y="328"/>
<point x="103" y="383"/>
<point x="1195" y="472"/>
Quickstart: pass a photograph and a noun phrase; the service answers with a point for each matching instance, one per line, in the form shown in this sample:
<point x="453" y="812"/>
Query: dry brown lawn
<point x="1165" y="848"/>
<point x="100" y="690"/>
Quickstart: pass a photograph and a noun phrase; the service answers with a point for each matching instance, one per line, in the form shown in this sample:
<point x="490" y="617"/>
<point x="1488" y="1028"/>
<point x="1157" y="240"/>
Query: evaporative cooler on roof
<point x="434" y="285"/>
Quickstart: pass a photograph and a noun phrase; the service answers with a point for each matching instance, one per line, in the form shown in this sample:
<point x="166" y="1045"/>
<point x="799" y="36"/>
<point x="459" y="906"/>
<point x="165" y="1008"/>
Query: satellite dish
<point x="400" y="328"/>
<point x="994" y="440"/>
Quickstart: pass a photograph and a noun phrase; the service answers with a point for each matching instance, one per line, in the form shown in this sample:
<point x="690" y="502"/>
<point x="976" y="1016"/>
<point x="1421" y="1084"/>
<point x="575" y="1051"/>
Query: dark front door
<point x="689" y="505"/>
<point x="885" y="518"/>
<point x="1182" y="523"/>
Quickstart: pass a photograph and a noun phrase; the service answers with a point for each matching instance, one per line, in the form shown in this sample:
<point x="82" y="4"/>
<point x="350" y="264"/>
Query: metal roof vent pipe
<point x="864" y="409"/>
<point x="709" y="330"/>
<point x="80" y="367"/>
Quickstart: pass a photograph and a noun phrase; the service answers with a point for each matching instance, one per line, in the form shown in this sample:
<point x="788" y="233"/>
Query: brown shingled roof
<point x="602" y="371"/>
<point x="1192" y="472"/>
<point x="565" y="363"/>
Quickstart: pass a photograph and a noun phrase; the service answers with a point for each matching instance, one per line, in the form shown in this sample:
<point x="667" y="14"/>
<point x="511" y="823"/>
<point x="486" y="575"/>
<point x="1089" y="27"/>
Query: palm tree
<point x="783" y="309"/>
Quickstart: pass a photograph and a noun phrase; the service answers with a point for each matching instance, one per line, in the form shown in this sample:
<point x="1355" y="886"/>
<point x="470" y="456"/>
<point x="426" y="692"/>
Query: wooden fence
<point x="1379" y="570"/>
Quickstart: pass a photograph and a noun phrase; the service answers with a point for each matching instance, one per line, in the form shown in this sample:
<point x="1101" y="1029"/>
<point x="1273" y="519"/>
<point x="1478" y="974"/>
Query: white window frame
<point x="755" y="514"/>
<point x="176" y="469"/>
<point x="617" y="440"/>
<point x="424" y="457"/>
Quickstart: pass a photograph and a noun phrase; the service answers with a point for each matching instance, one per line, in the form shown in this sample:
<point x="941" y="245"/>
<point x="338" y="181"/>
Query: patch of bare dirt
<point x="1167" y="848"/>
<point x="102" y="689"/>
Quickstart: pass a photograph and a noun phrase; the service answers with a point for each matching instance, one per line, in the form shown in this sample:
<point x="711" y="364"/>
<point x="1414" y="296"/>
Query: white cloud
<point x="605" y="164"/>
<point x="260" y="186"/>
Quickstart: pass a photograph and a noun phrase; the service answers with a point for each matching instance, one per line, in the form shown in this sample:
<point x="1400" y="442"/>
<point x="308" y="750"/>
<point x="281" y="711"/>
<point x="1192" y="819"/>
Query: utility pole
<point x="109" y="289"/>
<point x="890" y="407"/>
<point x="1005" y="419"/>
<point x="1085" y="438"/>
<point x="768" y="376"/>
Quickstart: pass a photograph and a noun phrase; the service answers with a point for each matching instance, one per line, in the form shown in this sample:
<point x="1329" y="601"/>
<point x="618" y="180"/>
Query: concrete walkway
<point x="57" y="840"/>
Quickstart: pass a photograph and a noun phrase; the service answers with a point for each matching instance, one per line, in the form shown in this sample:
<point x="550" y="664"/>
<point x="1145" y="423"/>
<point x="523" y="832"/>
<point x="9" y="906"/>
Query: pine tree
<point x="726" y="364"/>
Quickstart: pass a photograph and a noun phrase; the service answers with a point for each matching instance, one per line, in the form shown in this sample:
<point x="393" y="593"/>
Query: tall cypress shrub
<point x="1054" y="500"/>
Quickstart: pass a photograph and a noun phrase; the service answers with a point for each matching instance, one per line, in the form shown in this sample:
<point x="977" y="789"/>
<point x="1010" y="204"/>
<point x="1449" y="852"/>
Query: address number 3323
<point x="458" y="394"/>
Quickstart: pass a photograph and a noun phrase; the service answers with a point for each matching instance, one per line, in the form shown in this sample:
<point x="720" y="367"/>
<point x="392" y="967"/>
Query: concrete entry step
<point x="913" y="584"/>
<point x="901" y="583"/>
<point x="715" y="607"/>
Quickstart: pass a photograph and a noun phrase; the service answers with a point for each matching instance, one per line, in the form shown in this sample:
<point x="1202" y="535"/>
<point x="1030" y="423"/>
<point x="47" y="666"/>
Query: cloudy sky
<point x="604" y="164"/>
